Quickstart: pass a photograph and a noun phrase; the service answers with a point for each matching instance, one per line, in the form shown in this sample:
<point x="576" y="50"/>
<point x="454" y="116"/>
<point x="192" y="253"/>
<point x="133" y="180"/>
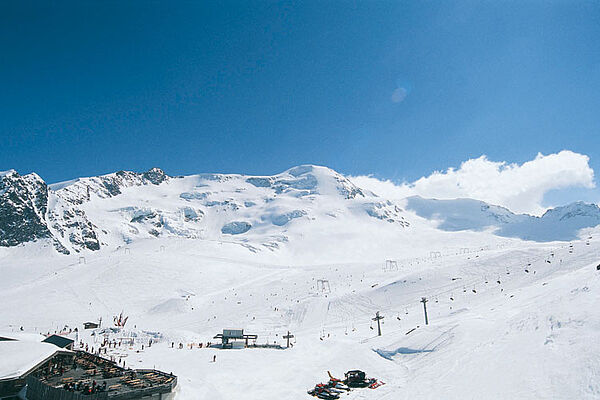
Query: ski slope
<point x="530" y="336"/>
<point x="186" y="257"/>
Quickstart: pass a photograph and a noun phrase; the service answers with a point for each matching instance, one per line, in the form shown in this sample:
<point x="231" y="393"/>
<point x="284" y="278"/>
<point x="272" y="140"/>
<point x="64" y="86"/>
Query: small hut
<point x="229" y="338"/>
<point x="90" y="325"/>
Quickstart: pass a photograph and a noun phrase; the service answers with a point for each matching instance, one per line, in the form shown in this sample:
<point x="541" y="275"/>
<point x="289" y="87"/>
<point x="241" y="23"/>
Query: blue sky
<point x="394" y="89"/>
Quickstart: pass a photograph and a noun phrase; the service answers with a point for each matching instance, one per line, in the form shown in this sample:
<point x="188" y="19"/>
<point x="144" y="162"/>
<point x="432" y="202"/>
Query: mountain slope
<point x="118" y="208"/>
<point x="258" y="212"/>
<point x="561" y="223"/>
<point x="23" y="205"/>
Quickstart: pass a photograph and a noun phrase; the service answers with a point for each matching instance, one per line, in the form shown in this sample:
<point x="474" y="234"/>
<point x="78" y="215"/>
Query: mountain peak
<point x="576" y="209"/>
<point x="560" y="223"/>
<point x="155" y="175"/>
<point x="23" y="205"/>
<point x="8" y="172"/>
<point x="313" y="179"/>
<point x="304" y="169"/>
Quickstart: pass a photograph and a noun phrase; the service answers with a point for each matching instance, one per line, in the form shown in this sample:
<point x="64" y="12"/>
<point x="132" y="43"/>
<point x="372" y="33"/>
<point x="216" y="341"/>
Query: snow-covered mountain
<point x="560" y="223"/>
<point x="23" y="206"/>
<point x="31" y="210"/>
<point x="115" y="209"/>
<point x="260" y="212"/>
<point x="185" y="257"/>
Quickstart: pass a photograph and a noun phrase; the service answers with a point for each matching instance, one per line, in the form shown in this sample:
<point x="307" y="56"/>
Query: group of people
<point x="85" y="388"/>
<point x="191" y="345"/>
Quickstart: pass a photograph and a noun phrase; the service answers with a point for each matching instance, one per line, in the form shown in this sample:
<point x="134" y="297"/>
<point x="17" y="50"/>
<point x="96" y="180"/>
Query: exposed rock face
<point x="386" y="211"/>
<point x="23" y="206"/>
<point x="25" y="214"/>
<point x="236" y="228"/>
<point x="74" y="226"/>
<point x="107" y="186"/>
<point x="156" y="176"/>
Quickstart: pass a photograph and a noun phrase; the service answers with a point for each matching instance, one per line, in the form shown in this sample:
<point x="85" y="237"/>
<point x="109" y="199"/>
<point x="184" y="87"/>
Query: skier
<point x="214" y="358"/>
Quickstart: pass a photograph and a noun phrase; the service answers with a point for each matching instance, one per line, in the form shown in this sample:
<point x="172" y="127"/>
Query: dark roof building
<point x="45" y="369"/>
<point x="60" y="341"/>
<point x="89" y="377"/>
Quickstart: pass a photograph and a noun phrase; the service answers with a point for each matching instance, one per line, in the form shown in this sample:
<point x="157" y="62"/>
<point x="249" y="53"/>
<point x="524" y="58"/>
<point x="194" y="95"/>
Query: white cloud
<point x="520" y="188"/>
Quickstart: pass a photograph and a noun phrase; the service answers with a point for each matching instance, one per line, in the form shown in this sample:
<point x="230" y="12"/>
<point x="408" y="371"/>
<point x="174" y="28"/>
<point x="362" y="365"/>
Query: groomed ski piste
<point x="533" y="335"/>
<point x="508" y="319"/>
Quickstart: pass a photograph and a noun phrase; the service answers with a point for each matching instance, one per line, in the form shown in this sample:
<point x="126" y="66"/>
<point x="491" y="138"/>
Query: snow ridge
<point x="118" y="208"/>
<point x="561" y="223"/>
<point x="261" y="213"/>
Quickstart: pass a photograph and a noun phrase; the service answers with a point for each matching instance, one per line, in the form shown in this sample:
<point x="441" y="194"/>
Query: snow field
<point x="531" y="336"/>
